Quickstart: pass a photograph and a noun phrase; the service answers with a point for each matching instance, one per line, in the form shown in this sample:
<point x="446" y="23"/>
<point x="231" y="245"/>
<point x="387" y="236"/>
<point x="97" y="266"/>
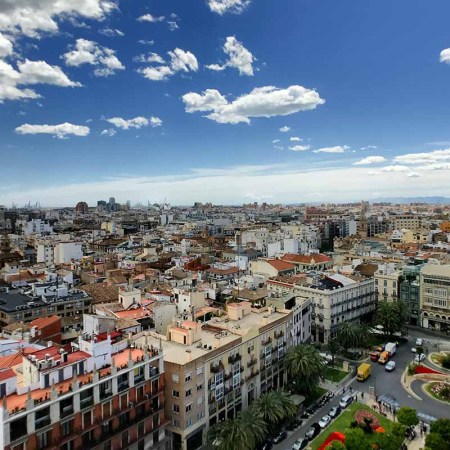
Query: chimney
<point x="49" y="344"/>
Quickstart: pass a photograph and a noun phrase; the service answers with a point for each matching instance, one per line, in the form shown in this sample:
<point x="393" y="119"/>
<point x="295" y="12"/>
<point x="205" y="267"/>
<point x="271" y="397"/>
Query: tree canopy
<point x="391" y="316"/>
<point x="407" y="416"/>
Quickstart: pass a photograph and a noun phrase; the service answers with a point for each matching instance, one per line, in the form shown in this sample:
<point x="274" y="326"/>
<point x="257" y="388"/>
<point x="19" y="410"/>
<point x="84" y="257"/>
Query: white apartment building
<point x="387" y="282"/>
<point x="52" y="253"/>
<point x="35" y="226"/>
<point x="336" y="298"/>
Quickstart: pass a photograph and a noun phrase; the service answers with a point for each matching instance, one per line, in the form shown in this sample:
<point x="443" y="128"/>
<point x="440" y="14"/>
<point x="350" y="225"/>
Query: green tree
<point x="446" y="362"/>
<point x="305" y="367"/>
<point x="407" y="416"/>
<point x="333" y="347"/>
<point x="350" y="335"/>
<point x="288" y="406"/>
<point x="268" y="405"/>
<point x="391" y="316"/>
<point x="355" y="439"/>
<point x="434" y="441"/>
<point x="442" y="427"/>
<point x="252" y="421"/>
<point x="230" y="435"/>
<point x="391" y="440"/>
<point x="336" y="445"/>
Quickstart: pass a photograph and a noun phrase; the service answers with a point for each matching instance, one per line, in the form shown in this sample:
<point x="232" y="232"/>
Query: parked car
<point x="324" y="421"/>
<point x="345" y="401"/>
<point x="334" y="412"/>
<point x="419" y="342"/>
<point x="419" y="357"/>
<point x="281" y="436"/>
<point x="294" y="424"/>
<point x="300" y="444"/>
<point x="267" y="445"/>
<point x="414" y="349"/>
<point x="313" y="431"/>
<point x="390" y="366"/>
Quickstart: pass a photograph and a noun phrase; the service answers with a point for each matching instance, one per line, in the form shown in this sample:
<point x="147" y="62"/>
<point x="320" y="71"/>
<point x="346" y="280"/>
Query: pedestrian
<point x="362" y="394"/>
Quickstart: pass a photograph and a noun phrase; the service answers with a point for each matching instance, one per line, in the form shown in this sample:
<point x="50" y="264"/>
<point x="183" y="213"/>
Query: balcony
<point x="216" y="368"/>
<point x="211" y="399"/>
<point x="252" y="374"/>
<point x="252" y="362"/>
<point x="232" y="359"/>
<point x="267" y="341"/>
<point x="279" y="334"/>
<point x="227" y="376"/>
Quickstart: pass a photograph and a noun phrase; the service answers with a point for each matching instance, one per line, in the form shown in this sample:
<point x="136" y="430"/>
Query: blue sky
<point x="360" y="82"/>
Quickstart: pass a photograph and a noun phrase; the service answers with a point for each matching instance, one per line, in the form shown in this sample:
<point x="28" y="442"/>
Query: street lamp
<point x="375" y="387"/>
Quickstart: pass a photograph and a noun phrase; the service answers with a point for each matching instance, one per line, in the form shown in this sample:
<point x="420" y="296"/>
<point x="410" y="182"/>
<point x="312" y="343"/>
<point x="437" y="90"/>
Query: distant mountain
<point x="407" y="200"/>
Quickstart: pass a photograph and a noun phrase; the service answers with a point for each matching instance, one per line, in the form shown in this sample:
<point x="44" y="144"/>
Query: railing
<point x="234" y="358"/>
<point x="216" y="368"/>
<point x="279" y="334"/>
<point x="252" y="362"/>
<point x="267" y="341"/>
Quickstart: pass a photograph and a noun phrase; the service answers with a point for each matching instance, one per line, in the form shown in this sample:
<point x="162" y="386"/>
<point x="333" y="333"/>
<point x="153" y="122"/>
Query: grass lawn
<point x="310" y="400"/>
<point x="342" y="423"/>
<point x="334" y="375"/>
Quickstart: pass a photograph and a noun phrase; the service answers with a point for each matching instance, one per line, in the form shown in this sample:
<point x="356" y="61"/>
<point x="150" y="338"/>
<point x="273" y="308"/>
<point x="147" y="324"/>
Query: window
<point x="175" y="394"/>
<point x="199" y="387"/>
<point x="199" y="370"/>
<point x="188" y="377"/>
<point x="188" y="392"/>
<point x="176" y="408"/>
<point x="189" y="407"/>
<point x="175" y="378"/>
<point x="66" y="428"/>
<point x="42" y="440"/>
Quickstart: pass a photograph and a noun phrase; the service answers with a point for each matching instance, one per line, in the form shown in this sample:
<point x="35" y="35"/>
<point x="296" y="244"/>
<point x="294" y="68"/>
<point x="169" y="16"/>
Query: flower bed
<point x="335" y="436"/>
<point x="362" y="414"/>
<point x="442" y="390"/>
<point x="424" y="369"/>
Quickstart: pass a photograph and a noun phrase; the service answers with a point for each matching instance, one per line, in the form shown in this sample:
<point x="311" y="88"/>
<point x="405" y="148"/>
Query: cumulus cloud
<point x="150" y="18"/>
<point x="150" y="58"/>
<point x="29" y="73"/>
<point x="370" y="160"/>
<point x="228" y="6"/>
<point x="395" y="168"/>
<point x="295" y="139"/>
<point x="108" y="132"/>
<point x="267" y="101"/>
<point x="136" y="122"/>
<point x="33" y="18"/>
<point x="275" y="141"/>
<point x="285" y="129"/>
<point x="335" y="149"/>
<point x="90" y="52"/>
<point x="146" y="42"/>
<point x="6" y="46"/>
<point x="300" y="148"/>
<point x="369" y="147"/>
<point x="180" y="61"/>
<point x="238" y="57"/>
<point x="413" y="175"/>
<point x="111" y="32"/>
<point x="60" y="131"/>
<point x="445" y="56"/>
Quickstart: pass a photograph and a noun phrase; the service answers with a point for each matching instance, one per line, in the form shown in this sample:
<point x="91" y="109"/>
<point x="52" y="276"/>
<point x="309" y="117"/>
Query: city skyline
<point x="223" y="101"/>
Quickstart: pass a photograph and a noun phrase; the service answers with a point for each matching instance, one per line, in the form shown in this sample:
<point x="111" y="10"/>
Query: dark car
<point x="294" y="424"/>
<point x="281" y="436"/>
<point x="313" y="431"/>
<point x="267" y="445"/>
<point x="334" y="412"/>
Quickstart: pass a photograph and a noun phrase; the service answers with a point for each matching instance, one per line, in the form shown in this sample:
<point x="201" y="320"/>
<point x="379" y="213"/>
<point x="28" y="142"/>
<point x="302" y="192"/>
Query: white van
<point x="346" y="400"/>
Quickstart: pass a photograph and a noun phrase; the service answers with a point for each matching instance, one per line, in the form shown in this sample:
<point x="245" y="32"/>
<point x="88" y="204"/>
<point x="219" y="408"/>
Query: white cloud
<point x="370" y="160"/>
<point x="275" y="141"/>
<point x="6" y="46"/>
<point x="285" y="129"/>
<point x="150" y="58"/>
<point x="228" y="6"/>
<point x="39" y="72"/>
<point x="300" y="148"/>
<point x="335" y="149"/>
<point x="89" y="52"/>
<point x="146" y="42"/>
<point x="413" y="175"/>
<point x="295" y="139"/>
<point x="180" y="61"/>
<point x="445" y="56"/>
<point x="238" y="57"/>
<point x="278" y="147"/>
<point x="108" y="132"/>
<point x="111" y="32"/>
<point x="424" y="158"/>
<point x="266" y="101"/>
<point x="29" y="73"/>
<point x="150" y="18"/>
<point x="369" y="147"/>
<point x="33" y="18"/>
<point x="61" y="131"/>
<point x="172" y="25"/>
<point x="137" y="122"/>
<point x="395" y="168"/>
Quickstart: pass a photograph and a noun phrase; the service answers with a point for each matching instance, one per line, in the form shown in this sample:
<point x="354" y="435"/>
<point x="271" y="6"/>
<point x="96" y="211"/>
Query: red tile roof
<point x="42" y="322"/>
<point x="5" y="374"/>
<point x="280" y="265"/>
<point x="316" y="258"/>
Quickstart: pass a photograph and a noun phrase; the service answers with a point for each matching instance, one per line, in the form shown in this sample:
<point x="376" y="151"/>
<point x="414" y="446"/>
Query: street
<point x="384" y="383"/>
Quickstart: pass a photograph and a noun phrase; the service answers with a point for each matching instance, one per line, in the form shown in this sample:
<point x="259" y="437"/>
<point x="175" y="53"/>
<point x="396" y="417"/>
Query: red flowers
<point x="335" y="436"/>
<point x="362" y="414"/>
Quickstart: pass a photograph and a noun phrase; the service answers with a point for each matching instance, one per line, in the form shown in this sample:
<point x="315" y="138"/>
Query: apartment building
<point x="98" y="396"/>
<point x="217" y="368"/>
<point x="43" y="300"/>
<point x="413" y="222"/>
<point x="387" y="282"/>
<point x="336" y="298"/>
<point x="435" y="297"/>
<point x="410" y="291"/>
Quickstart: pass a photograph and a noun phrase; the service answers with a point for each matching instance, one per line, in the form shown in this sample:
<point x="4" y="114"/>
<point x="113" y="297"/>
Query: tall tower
<point x="362" y="224"/>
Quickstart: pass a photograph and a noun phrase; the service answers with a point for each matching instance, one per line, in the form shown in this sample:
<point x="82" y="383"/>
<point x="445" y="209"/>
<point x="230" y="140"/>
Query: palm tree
<point x="287" y="404"/>
<point x="333" y="347"/>
<point x="305" y="366"/>
<point x="391" y="316"/>
<point x="230" y="435"/>
<point x="268" y="405"/>
<point x="349" y="334"/>
<point x="252" y="421"/>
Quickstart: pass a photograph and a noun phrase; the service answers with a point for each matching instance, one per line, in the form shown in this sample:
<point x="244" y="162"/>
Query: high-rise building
<point x="81" y="208"/>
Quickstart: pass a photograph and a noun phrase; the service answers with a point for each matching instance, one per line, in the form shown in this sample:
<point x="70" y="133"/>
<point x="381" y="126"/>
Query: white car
<point x="419" y="342"/>
<point x="390" y="366"/>
<point x="414" y="349"/>
<point x="420" y="357"/>
<point x="324" y="421"/>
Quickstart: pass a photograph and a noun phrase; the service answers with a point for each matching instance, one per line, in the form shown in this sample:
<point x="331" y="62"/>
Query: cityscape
<point x="224" y="225"/>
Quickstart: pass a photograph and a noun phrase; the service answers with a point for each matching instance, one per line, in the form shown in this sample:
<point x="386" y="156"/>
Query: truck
<point x="391" y="347"/>
<point x="363" y="371"/>
<point x="384" y="358"/>
<point x="374" y="355"/>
